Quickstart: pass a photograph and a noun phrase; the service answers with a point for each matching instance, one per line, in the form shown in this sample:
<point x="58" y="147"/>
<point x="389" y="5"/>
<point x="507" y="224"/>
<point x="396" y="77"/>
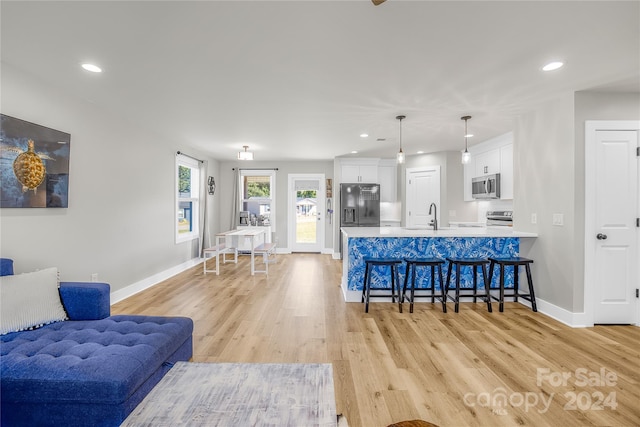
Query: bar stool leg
<point x="486" y="288"/>
<point x="368" y="285"/>
<point x="457" y="288"/>
<point x="501" y="306"/>
<point x="364" y="286"/>
<point x="442" y="290"/>
<point x="475" y="282"/>
<point x="516" y="282"/>
<point x="531" y="293"/>
<point x="446" y="289"/>
<point x="395" y="281"/>
<point x="413" y="287"/>
<point x="433" y="284"/>
<point x="406" y="279"/>
<point x="491" y="265"/>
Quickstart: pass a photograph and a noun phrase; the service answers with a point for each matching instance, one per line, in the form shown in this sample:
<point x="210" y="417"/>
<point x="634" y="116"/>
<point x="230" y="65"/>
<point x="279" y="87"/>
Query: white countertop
<point x="428" y="232"/>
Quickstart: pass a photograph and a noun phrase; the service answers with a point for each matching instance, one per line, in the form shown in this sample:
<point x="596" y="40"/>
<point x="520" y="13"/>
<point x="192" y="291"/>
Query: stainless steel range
<point x="500" y="218"/>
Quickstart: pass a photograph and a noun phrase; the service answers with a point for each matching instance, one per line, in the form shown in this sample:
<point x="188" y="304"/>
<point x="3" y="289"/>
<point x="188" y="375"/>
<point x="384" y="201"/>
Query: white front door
<point x="423" y="188"/>
<point x="306" y="208"/>
<point x="613" y="232"/>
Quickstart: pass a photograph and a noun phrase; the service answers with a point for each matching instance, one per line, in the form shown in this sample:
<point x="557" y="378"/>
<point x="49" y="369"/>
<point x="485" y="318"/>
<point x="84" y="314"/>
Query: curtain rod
<point x="255" y="169"/>
<point x="191" y="157"/>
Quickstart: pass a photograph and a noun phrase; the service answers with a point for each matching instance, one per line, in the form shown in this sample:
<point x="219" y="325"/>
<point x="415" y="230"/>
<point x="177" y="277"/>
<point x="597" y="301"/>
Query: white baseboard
<point x="143" y="284"/>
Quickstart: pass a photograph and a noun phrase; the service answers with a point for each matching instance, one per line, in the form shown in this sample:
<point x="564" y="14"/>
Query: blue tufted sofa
<point x="91" y="370"/>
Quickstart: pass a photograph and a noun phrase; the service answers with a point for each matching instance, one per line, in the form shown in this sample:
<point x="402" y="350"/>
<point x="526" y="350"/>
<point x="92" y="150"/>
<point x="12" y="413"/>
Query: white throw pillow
<point x="30" y="300"/>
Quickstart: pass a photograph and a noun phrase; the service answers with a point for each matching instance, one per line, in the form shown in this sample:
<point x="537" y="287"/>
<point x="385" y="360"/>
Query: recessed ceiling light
<point x="552" y="66"/>
<point x="469" y="135"/>
<point x="420" y="152"/>
<point x="92" y="68"/>
<point x="354" y="152"/>
<point x="364" y="135"/>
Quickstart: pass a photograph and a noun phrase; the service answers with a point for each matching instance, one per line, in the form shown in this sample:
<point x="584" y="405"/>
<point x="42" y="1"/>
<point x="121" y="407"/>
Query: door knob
<point x="601" y="236"/>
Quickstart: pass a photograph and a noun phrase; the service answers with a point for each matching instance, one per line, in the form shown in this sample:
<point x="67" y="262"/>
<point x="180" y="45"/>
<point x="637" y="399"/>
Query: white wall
<point x="120" y="219"/>
<point x="549" y="178"/>
<point x="593" y="106"/>
<point x="543" y="164"/>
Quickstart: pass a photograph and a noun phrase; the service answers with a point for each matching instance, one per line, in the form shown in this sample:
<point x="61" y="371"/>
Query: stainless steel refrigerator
<point x="359" y="205"/>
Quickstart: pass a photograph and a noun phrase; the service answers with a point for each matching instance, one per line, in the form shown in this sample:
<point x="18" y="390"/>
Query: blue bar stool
<point x="435" y="264"/>
<point x="392" y="263"/>
<point x="474" y="263"/>
<point x="515" y="262"/>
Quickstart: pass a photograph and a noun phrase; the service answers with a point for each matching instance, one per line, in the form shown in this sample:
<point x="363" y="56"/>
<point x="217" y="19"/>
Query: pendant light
<point x="466" y="155"/>
<point x="245" y="155"/>
<point x="400" y="155"/>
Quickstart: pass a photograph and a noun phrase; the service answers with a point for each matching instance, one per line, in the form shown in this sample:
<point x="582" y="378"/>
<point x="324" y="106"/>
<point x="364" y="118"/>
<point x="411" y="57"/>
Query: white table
<point x="252" y="234"/>
<point x="240" y="394"/>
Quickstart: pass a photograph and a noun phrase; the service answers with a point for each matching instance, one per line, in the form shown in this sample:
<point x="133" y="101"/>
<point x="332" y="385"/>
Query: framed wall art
<point x="34" y="165"/>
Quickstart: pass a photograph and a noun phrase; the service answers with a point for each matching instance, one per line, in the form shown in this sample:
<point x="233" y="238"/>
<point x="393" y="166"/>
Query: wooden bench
<point x="216" y="251"/>
<point x="266" y="249"/>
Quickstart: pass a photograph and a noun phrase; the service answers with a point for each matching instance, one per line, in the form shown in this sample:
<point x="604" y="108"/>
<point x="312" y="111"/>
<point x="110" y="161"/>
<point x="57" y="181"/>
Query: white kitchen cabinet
<point x="487" y="163"/>
<point x="387" y="177"/>
<point x="506" y="172"/>
<point x="354" y="171"/>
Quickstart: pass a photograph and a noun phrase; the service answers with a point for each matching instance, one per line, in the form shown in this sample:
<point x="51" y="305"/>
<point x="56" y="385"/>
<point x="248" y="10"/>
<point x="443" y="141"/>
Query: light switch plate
<point x="558" y="219"/>
<point x="534" y="218"/>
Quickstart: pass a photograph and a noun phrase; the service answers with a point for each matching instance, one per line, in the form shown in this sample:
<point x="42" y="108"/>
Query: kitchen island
<point x="416" y="242"/>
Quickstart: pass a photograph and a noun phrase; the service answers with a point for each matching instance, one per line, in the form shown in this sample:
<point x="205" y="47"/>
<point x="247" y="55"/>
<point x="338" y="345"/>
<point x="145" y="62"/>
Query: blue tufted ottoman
<point x="87" y="372"/>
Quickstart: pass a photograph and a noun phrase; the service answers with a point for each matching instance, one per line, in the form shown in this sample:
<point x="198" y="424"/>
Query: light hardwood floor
<point x="450" y="369"/>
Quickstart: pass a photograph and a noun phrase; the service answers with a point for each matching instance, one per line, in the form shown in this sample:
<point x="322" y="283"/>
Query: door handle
<point x="601" y="236"/>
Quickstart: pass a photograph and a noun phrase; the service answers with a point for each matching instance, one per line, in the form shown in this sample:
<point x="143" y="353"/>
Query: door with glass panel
<point x="306" y="212"/>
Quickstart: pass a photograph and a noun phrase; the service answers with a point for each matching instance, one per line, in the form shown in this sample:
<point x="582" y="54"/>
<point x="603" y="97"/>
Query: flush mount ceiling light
<point x="92" y="68"/>
<point x="400" y="155"/>
<point x="364" y="135"/>
<point x="245" y="155"/>
<point x="552" y="66"/>
<point x="466" y="155"/>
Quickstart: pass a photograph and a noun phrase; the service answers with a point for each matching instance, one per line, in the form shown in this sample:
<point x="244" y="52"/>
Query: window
<point x="257" y="195"/>
<point x="187" y="198"/>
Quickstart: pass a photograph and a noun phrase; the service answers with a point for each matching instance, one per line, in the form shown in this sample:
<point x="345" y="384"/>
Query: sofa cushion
<point x="97" y="361"/>
<point x="30" y="300"/>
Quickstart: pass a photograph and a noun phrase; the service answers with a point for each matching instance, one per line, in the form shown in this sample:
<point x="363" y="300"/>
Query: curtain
<point x="235" y="204"/>
<point x="204" y="238"/>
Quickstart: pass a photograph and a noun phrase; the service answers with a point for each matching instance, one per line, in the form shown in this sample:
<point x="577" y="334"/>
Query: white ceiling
<point x="303" y="79"/>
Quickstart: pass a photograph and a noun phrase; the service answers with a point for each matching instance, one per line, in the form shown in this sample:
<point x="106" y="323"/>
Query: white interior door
<point x="614" y="232"/>
<point x="423" y="188"/>
<point x="306" y="208"/>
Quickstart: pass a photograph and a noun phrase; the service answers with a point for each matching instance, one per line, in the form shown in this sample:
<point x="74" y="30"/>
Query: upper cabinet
<point x="376" y="171"/>
<point x="487" y="163"/>
<point x="491" y="157"/>
<point x="387" y="176"/>
<point x="365" y="171"/>
<point x="506" y="171"/>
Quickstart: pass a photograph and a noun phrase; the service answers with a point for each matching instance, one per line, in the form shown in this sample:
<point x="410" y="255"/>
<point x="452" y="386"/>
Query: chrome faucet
<point x="434" y="221"/>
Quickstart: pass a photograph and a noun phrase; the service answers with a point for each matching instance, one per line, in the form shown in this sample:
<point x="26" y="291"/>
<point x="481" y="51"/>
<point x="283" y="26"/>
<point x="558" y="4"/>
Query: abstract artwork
<point x="34" y="165"/>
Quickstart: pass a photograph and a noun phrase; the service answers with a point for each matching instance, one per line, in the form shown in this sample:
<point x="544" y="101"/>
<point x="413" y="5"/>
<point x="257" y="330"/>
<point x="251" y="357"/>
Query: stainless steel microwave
<point x="486" y="187"/>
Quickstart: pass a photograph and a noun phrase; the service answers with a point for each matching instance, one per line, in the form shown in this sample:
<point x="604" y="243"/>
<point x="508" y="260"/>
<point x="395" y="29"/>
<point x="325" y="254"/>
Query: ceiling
<point x="301" y="80"/>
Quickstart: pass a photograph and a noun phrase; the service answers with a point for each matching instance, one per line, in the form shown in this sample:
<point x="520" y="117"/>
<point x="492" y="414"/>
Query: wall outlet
<point x="558" y="219"/>
<point x="94" y="277"/>
<point x="534" y="218"/>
